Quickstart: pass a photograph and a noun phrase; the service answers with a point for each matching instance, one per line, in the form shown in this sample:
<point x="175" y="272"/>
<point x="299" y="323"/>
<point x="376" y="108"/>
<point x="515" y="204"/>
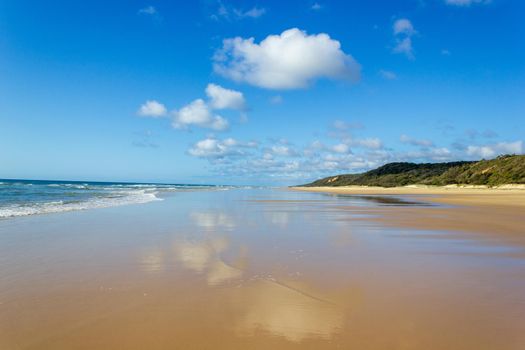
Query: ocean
<point x="31" y="197"/>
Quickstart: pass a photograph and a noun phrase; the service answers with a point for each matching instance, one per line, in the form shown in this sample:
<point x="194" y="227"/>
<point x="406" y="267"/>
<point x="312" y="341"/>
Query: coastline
<point x="507" y="195"/>
<point x="492" y="212"/>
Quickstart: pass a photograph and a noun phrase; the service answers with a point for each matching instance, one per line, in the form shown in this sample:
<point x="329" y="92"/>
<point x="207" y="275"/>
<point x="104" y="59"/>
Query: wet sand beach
<point x="260" y="269"/>
<point x="497" y="213"/>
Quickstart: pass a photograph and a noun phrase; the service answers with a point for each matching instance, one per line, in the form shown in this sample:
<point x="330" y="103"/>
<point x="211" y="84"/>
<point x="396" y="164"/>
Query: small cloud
<point x="212" y="148"/>
<point x="370" y="143"/>
<point x="466" y="3"/>
<point x="403" y="31"/>
<point x="221" y="98"/>
<point x="276" y="100"/>
<point x="404" y="46"/>
<point x="490" y="151"/>
<point x="341" y="148"/>
<point x="282" y="150"/>
<point x="200" y="113"/>
<point x="342" y="125"/>
<point x="387" y="74"/>
<point x="316" y="6"/>
<point x="197" y="113"/>
<point x="148" y="10"/>
<point x="152" y="109"/>
<point x="228" y="12"/>
<point x="445" y="52"/>
<point x="403" y="26"/>
<point x="415" y="142"/>
<point x="290" y="60"/>
<point x="255" y="12"/>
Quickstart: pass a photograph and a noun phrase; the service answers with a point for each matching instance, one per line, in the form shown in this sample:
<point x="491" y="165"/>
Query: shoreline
<point x="507" y="195"/>
<point x="493" y="213"/>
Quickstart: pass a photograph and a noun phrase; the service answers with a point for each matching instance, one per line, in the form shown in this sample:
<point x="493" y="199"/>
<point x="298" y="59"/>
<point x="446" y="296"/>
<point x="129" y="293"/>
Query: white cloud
<point x="221" y="98"/>
<point x="212" y="148"/>
<point x="209" y="148"/>
<point x="416" y="142"/>
<point x="148" y="10"/>
<point x="316" y="6"/>
<point x="283" y="150"/>
<point x="198" y="113"/>
<point x="341" y="148"/>
<point x="153" y="109"/>
<point x="281" y="161"/>
<point x="342" y="125"/>
<point x="228" y="12"/>
<point x="490" y="151"/>
<point x="403" y="26"/>
<point x="433" y="154"/>
<point x="440" y="154"/>
<point x="404" y="46"/>
<point x="255" y="12"/>
<point x="388" y="74"/>
<point x="290" y="60"/>
<point x="274" y="160"/>
<point x="403" y="32"/>
<point x="466" y="2"/>
<point x="445" y="52"/>
<point x="370" y="143"/>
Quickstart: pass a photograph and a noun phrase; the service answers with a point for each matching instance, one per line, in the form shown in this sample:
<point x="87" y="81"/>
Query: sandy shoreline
<point x="498" y="213"/>
<point x="506" y="196"/>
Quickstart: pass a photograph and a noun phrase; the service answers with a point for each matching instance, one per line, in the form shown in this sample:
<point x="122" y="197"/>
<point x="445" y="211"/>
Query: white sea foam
<point x="21" y="198"/>
<point x="119" y="198"/>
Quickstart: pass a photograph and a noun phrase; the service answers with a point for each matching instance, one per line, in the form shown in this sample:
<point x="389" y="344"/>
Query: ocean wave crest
<point x="112" y="200"/>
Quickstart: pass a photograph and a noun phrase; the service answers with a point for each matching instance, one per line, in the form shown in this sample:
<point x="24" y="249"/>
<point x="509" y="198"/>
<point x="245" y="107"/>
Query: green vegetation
<point x="507" y="169"/>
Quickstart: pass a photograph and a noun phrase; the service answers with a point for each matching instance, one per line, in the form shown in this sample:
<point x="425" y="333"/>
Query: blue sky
<point x="247" y="92"/>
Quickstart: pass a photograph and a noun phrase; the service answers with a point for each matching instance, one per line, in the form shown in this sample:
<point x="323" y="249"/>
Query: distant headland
<point x="503" y="170"/>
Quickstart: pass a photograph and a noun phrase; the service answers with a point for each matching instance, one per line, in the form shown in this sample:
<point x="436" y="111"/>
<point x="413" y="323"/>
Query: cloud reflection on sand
<point x="204" y="257"/>
<point x="152" y="261"/>
<point x="212" y="221"/>
<point x="287" y="312"/>
<point x="279" y="218"/>
<point x="220" y="273"/>
<point x="261" y="304"/>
